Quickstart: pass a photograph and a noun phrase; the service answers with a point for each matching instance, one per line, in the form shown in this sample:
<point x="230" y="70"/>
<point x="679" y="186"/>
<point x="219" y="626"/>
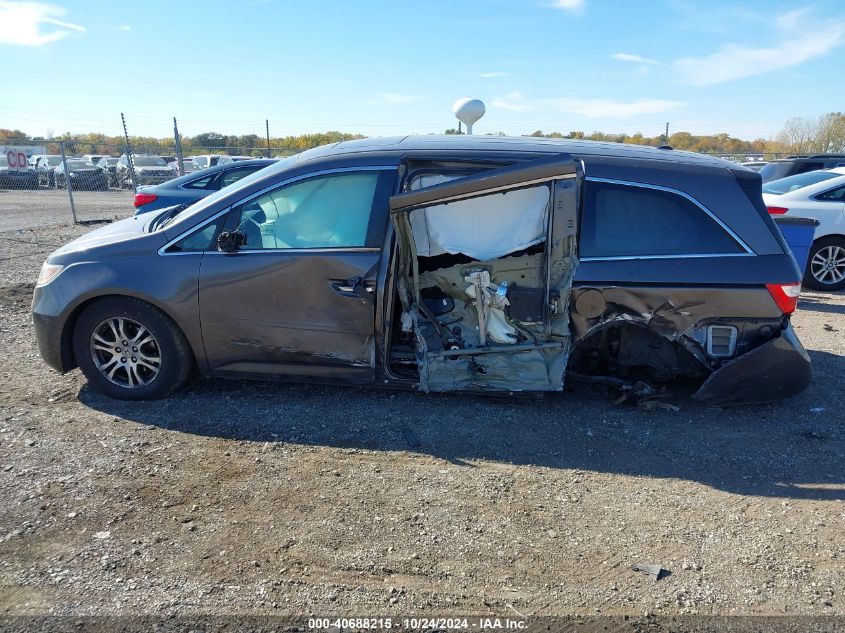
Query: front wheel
<point x="130" y="350"/>
<point x="826" y="265"/>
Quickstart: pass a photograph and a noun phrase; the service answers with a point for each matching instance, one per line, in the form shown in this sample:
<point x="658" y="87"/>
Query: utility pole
<point x="179" y="163"/>
<point x="267" y="127"/>
<point x="67" y="182"/>
<point x="667" y="132"/>
<point x="129" y="160"/>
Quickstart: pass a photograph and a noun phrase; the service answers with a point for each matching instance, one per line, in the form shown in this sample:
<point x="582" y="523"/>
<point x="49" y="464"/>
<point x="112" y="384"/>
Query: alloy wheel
<point x="828" y="265"/>
<point x="125" y="352"/>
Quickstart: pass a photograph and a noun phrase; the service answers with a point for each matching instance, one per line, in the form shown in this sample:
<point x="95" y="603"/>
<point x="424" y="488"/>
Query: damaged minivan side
<point x="486" y="264"/>
<point x="441" y="263"/>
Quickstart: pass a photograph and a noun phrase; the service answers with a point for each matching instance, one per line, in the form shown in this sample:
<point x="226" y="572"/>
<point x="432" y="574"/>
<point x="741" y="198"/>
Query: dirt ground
<point x="255" y="498"/>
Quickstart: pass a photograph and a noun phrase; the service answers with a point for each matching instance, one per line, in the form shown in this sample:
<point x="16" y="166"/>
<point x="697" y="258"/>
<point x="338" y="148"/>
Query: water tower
<point x="468" y="111"/>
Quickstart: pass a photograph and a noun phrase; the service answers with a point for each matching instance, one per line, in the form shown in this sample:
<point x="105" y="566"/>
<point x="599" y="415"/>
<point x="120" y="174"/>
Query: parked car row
<point x="818" y="195"/>
<point x="194" y="186"/>
<point x="15" y="178"/>
<point x="100" y="172"/>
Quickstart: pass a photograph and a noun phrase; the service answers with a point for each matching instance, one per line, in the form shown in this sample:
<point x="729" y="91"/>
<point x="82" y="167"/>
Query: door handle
<point x="355" y="287"/>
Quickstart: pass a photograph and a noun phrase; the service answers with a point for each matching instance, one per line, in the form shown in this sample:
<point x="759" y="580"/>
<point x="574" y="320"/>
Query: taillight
<point x="785" y="296"/>
<point x="144" y="198"/>
<point x="777" y="210"/>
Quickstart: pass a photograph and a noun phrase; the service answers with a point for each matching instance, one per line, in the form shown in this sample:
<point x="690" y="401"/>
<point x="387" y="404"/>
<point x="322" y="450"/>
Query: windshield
<point x="3" y="161"/>
<point x="798" y="181"/>
<point x="54" y="161"/>
<point x="149" y="161"/>
<point x="209" y="200"/>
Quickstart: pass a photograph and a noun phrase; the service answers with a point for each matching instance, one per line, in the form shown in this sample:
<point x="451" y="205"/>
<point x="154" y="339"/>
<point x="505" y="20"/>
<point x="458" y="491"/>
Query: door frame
<point x="559" y="172"/>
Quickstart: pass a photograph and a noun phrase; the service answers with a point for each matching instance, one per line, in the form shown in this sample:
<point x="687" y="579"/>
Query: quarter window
<point x="326" y="212"/>
<point x="628" y="221"/>
<point x="206" y="182"/>
<point x="234" y="175"/>
<point x="833" y="195"/>
<point x="198" y="241"/>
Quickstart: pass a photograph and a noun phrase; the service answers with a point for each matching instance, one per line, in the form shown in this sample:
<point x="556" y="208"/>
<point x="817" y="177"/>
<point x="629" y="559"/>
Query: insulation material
<point x="482" y="228"/>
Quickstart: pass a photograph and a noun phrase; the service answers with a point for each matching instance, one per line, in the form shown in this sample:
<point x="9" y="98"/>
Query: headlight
<point x="48" y="273"/>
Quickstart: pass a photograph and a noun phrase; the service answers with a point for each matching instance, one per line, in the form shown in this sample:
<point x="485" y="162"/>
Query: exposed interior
<point x="483" y="299"/>
<point x="631" y="353"/>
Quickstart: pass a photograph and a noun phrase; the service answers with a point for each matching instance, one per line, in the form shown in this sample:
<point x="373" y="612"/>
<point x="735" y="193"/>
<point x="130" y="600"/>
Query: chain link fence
<point x="46" y="183"/>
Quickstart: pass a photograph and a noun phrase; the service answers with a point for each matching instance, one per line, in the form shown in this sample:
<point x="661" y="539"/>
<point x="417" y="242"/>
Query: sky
<point x="382" y="67"/>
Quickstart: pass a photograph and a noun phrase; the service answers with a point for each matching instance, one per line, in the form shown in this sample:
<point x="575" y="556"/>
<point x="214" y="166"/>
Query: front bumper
<point x="88" y="182"/>
<point x="16" y="180"/>
<point x="777" y="369"/>
<point x="154" y="179"/>
<point x="48" y="335"/>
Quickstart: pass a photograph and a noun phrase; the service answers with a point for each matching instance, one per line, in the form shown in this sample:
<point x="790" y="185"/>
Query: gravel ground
<point x="254" y="498"/>
<point x="45" y="207"/>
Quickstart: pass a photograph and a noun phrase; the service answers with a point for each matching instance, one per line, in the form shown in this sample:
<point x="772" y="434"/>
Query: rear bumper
<point x="777" y="369"/>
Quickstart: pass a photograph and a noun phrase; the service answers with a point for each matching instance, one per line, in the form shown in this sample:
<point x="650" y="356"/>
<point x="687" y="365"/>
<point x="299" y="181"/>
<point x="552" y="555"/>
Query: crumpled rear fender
<point x="777" y="369"/>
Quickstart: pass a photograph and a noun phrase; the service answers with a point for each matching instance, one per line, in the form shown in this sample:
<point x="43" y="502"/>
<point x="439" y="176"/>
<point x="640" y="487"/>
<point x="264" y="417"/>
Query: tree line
<point x="208" y="142"/>
<point x="800" y="135"/>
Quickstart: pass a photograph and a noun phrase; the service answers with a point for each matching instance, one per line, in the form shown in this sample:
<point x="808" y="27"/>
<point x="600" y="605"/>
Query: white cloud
<point x="587" y="108"/>
<point x="398" y="97"/>
<point x="573" y="6"/>
<point x="608" y="109"/>
<point x="792" y="19"/>
<point x="627" y="57"/>
<point x="28" y="23"/>
<point x="513" y="102"/>
<point x="124" y="28"/>
<point x="797" y="42"/>
<point x="493" y="75"/>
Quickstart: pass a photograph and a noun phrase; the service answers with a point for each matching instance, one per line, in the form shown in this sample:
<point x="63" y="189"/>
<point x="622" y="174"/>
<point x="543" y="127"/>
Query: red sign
<point x="17" y="160"/>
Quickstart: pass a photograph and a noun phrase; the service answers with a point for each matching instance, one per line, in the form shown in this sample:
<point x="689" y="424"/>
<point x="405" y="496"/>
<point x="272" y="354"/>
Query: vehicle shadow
<point x="810" y="304"/>
<point x="793" y="449"/>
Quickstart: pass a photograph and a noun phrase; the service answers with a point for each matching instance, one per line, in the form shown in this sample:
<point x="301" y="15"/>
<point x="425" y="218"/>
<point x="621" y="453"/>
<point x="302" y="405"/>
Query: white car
<point x="819" y="195"/>
<point x="204" y="161"/>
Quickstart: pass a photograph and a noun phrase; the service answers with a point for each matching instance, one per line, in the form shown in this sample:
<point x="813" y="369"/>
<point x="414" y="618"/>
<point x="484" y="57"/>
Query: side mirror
<point x="230" y="241"/>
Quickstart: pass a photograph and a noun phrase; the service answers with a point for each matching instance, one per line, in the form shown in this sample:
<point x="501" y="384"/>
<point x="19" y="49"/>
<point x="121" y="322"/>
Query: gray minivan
<point x="441" y="263"/>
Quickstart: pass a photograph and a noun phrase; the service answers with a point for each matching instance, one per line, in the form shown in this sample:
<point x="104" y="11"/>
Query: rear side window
<point x="833" y="195"/>
<point x="629" y="221"/>
<point x="234" y="175"/>
<point x="776" y="170"/>
<point x="206" y="182"/>
<point x="805" y="167"/>
<point x="791" y="183"/>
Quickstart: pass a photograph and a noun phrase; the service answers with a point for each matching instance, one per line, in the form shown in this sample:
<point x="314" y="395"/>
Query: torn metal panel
<point x="777" y="369"/>
<point x="678" y="314"/>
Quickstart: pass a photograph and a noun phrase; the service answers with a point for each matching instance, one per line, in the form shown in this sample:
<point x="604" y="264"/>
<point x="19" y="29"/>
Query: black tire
<point x="819" y="278"/>
<point x="175" y="357"/>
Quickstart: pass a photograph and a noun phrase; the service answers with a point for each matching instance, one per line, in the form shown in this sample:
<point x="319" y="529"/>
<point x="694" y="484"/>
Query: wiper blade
<point x="164" y="219"/>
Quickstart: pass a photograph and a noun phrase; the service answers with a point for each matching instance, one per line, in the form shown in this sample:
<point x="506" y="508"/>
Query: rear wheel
<point x="129" y="350"/>
<point x="826" y="265"/>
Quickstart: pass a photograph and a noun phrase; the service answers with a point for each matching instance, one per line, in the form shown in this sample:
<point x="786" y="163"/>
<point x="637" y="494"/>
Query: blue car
<point x="189" y="188"/>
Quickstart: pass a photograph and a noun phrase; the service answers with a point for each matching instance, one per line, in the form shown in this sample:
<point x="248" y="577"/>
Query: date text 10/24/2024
<point x="422" y="624"/>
